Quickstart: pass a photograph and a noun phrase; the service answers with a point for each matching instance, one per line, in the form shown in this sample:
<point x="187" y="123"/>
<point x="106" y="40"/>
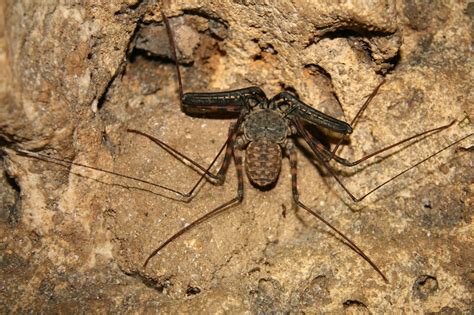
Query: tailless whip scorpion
<point x="264" y="132"/>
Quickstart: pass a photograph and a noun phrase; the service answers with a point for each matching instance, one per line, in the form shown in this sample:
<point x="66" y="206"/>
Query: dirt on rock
<point x="76" y="75"/>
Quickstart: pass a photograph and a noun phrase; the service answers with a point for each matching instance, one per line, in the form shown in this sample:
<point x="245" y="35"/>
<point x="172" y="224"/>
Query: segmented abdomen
<point x="263" y="162"/>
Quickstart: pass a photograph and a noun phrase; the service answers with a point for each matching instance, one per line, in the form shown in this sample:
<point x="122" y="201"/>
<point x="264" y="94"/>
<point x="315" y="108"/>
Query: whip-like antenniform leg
<point x="296" y="197"/>
<point x="238" y="199"/>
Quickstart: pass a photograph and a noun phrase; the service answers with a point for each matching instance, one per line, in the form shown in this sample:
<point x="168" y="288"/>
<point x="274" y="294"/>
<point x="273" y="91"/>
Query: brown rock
<point x="76" y="76"/>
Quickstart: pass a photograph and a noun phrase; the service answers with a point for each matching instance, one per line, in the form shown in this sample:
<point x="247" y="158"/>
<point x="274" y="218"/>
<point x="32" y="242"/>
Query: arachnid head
<point x="265" y="123"/>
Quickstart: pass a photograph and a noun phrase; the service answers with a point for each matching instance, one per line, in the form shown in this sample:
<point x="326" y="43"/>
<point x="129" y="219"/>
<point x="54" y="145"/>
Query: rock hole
<point x="355" y="306"/>
<point x="10" y="198"/>
<point x="12" y="182"/>
<point x="289" y="88"/>
<point x="314" y="68"/>
<point x="265" y="49"/>
<point x="268" y="48"/>
<point x="394" y="61"/>
<point x="424" y="286"/>
<point x="341" y="33"/>
<point x="193" y="291"/>
<point x="254" y="269"/>
<point x="427" y="203"/>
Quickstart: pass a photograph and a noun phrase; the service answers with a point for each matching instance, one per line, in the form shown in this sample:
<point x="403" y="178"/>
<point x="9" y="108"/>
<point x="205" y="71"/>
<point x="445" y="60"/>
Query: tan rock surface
<point x="77" y="75"/>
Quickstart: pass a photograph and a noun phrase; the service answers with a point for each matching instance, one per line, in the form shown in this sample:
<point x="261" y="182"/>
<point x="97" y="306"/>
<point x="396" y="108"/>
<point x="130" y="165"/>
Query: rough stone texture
<point x="77" y="74"/>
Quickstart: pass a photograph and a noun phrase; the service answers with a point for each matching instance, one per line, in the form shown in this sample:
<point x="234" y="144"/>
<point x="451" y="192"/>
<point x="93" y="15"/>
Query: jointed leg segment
<point x="294" y="188"/>
<point x="217" y="178"/>
<point x="236" y="200"/>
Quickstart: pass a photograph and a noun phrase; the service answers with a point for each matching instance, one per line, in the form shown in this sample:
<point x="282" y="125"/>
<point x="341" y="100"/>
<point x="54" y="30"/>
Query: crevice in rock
<point x="351" y="31"/>
<point x="354" y="305"/>
<point x="8" y="140"/>
<point x="317" y="68"/>
<point x="361" y="36"/>
<point x="103" y="97"/>
<point x="207" y="15"/>
<point x="158" y="285"/>
<point x="326" y="80"/>
<point x="10" y="192"/>
<point x="394" y="61"/>
<point x="121" y="67"/>
<point x="120" y="70"/>
<point x="151" y="39"/>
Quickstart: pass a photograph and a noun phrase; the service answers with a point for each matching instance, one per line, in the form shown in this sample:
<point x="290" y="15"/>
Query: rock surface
<point x="76" y="75"/>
